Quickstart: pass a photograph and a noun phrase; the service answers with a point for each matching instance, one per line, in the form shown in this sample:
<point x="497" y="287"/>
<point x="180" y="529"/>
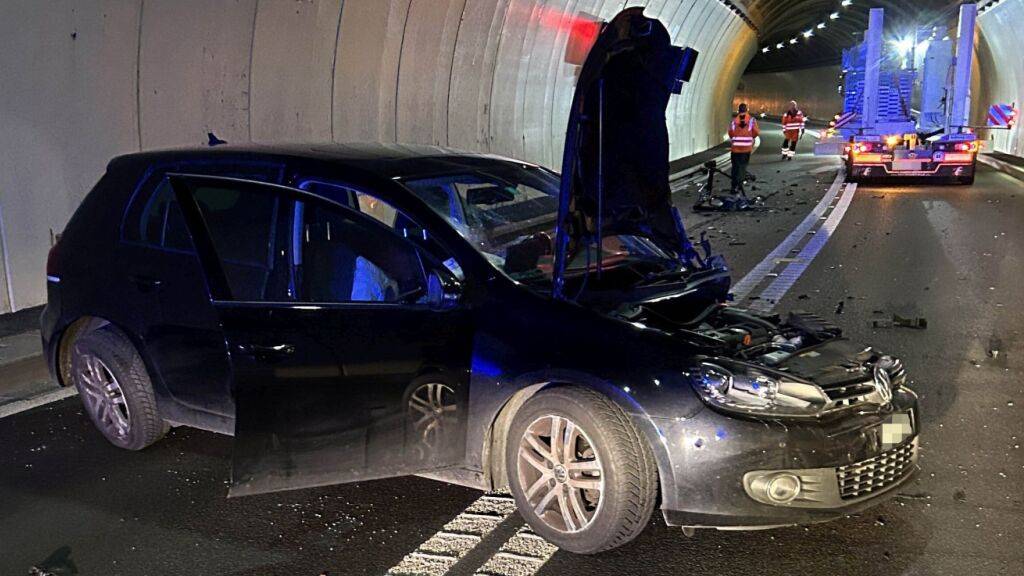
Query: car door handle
<point x="146" y="283"/>
<point x="266" y="350"/>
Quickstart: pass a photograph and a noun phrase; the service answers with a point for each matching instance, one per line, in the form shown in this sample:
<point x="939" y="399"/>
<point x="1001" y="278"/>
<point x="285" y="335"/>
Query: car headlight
<point x="747" y="390"/>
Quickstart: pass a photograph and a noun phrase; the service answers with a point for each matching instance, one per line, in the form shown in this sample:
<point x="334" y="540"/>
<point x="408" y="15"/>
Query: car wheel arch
<point x="493" y="460"/>
<point x="65" y="343"/>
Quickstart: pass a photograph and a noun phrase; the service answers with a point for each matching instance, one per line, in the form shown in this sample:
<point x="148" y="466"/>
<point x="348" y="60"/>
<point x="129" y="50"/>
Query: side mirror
<point x="443" y="290"/>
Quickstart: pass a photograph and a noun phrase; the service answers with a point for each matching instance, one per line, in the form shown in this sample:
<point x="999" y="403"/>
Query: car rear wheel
<point x="115" y="388"/>
<point x="581" y="474"/>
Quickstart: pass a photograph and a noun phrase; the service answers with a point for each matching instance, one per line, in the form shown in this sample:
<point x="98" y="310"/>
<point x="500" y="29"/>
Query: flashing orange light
<point x="892" y="141"/>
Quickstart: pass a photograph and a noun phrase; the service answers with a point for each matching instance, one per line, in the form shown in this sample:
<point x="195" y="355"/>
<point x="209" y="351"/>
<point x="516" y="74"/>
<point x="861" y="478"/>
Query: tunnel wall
<point x="1001" y="60"/>
<point x="814" y="90"/>
<point x="84" y="80"/>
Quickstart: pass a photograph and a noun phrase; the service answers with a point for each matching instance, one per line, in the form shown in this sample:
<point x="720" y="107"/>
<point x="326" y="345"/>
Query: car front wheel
<point x="115" y="389"/>
<point x="581" y="474"/>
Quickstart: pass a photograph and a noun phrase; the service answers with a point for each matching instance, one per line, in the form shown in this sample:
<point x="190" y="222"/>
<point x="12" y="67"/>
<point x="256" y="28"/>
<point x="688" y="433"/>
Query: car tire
<point x="115" y="389"/>
<point x="608" y="454"/>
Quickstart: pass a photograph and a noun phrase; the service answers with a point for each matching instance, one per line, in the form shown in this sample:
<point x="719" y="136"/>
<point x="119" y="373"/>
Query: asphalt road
<point x="71" y="504"/>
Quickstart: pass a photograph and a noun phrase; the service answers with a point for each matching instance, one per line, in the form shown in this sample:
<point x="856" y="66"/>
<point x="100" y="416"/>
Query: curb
<point x="1002" y="166"/>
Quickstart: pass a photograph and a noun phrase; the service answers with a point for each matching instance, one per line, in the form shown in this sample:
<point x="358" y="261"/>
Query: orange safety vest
<point x="792" y="124"/>
<point x="742" y="137"/>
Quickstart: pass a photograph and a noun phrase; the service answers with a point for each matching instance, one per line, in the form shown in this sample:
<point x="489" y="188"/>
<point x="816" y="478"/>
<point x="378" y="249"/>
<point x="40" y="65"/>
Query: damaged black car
<point x="369" y="311"/>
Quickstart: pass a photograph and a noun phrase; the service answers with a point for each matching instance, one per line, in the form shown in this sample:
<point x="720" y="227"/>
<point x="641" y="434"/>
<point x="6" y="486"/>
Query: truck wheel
<point x="581" y="474"/>
<point x="116" y="390"/>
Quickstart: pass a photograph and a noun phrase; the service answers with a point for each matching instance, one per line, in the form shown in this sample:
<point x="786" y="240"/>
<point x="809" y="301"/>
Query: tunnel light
<point x="764" y="50"/>
<point x="808" y="33"/>
<point x="847" y="2"/>
<point x="792" y="40"/>
<point x="833" y="16"/>
<point x="779" y="46"/>
<point x="821" y="26"/>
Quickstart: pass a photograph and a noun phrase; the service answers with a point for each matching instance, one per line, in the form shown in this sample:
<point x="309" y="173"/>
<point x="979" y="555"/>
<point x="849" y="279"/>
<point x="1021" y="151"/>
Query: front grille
<point x="876" y="474"/>
<point x="848" y="393"/>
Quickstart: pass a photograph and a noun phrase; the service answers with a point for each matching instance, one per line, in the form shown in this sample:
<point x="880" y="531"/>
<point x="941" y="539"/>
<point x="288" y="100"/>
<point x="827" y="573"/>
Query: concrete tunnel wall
<point x="814" y="90"/>
<point x="84" y="80"/>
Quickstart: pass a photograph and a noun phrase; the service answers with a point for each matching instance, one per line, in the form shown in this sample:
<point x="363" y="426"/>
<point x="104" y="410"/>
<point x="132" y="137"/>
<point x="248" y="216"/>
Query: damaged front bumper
<point x="730" y="473"/>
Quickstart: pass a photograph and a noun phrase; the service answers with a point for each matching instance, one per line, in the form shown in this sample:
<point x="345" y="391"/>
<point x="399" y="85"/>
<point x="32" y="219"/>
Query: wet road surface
<point x="70" y="503"/>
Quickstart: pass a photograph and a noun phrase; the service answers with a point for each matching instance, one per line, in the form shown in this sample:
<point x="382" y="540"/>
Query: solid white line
<point x="36" y="401"/>
<point x="759" y="272"/>
<point x="788" y="277"/>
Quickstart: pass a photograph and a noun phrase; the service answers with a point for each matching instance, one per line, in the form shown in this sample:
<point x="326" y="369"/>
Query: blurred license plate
<point x="896" y="429"/>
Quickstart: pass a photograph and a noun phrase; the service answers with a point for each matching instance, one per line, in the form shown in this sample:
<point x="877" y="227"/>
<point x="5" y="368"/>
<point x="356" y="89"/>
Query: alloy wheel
<point x="560" y="473"/>
<point x="103" y="397"/>
<point x="431" y="407"/>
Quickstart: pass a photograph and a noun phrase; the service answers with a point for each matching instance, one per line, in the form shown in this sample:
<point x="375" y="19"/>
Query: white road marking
<point x="17" y="406"/>
<point x="758" y="273"/>
<point x="793" y="270"/>
<point x="439" y="553"/>
<point x="521" y="555"/>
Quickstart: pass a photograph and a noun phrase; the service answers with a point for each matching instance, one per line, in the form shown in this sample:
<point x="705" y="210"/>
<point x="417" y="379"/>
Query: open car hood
<point x="615" y="165"/>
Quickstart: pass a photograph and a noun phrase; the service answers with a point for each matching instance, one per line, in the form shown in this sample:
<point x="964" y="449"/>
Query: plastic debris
<point x="898" y="321"/>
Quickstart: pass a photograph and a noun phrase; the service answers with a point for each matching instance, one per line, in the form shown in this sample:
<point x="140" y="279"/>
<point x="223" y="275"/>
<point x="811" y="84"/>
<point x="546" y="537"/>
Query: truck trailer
<point x="880" y="136"/>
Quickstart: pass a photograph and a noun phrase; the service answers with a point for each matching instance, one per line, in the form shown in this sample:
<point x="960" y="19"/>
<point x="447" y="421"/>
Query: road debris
<point x="897" y="321"/>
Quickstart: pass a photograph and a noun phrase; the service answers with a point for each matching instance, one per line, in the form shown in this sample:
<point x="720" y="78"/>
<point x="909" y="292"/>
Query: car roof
<point x="383" y="160"/>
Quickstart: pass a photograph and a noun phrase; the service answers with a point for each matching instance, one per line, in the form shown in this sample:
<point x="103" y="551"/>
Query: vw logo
<point x="883" y="384"/>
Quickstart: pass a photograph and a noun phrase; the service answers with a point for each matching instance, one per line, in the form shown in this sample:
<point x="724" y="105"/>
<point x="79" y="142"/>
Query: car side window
<point x="278" y="246"/>
<point x="153" y="217"/>
<point x="383" y="212"/>
<point x="161" y="224"/>
<point x="249" y="231"/>
<point x="341" y="256"/>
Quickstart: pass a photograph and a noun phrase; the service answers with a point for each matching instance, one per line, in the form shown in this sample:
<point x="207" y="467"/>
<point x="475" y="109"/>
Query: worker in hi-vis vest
<point x="792" y="129"/>
<point x="742" y="132"/>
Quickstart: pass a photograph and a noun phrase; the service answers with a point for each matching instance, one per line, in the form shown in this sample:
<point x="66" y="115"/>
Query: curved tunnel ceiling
<point x="781" y="20"/>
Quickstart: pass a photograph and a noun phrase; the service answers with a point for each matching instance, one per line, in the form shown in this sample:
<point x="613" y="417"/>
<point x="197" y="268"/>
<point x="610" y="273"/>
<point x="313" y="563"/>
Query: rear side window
<point x="161" y="224"/>
<point x="250" y="234"/>
<point x="154" y="219"/>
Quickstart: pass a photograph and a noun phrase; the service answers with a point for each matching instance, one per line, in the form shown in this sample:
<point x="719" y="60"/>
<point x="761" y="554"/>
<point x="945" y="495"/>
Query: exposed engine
<point x="801" y="343"/>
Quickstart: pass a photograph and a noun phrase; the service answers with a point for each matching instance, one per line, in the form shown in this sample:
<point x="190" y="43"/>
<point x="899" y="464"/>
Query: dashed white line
<point x="442" y="551"/>
<point x="761" y="271"/>
<point x="792" y="272"/>
<point x="521" y="555"/>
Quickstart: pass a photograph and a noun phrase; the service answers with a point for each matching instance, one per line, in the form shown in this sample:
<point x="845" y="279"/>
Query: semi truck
<point x="880" y="135"/>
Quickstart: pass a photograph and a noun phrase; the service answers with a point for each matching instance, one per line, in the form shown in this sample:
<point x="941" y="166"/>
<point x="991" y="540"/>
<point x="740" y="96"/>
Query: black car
<point x="369" y="311"/>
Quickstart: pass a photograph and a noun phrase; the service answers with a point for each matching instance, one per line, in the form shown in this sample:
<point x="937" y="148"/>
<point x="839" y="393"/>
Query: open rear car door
<point x="349" y="347"/>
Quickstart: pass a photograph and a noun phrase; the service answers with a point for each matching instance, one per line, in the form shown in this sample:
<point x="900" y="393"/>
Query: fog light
<point x="783" y="488"/>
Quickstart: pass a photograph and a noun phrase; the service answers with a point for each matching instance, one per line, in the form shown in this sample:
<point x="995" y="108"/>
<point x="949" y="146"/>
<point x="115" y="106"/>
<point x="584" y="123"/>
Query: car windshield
<point x="508" y="211"/>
